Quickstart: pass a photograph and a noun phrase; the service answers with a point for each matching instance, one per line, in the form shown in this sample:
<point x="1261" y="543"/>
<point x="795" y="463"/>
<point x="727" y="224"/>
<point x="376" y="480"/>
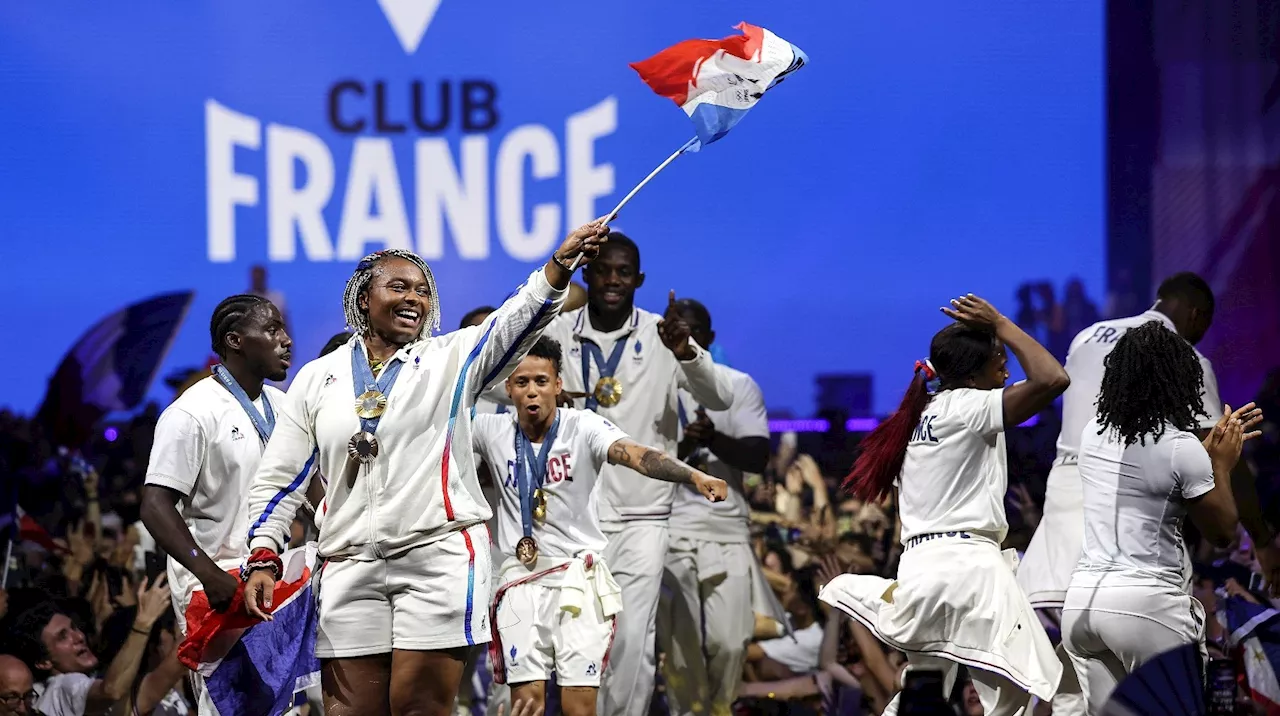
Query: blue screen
<point x="928" y="149"/>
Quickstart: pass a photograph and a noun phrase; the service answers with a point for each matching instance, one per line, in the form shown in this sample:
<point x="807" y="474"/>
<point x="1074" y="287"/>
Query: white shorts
<point x="1045" y="570"/>
<point x="537" y="637"/>
<point x="430" y="598"/>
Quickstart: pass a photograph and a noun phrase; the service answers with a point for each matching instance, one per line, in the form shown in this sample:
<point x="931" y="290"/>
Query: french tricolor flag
<point x="717" y="81"/>
<point x="251" y="667"/>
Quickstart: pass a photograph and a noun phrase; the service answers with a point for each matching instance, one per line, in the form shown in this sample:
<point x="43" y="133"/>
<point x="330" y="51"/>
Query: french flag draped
<point x="1256" y="630"/>
<point x="253" y="667"/>
<point x="717" y="81"/>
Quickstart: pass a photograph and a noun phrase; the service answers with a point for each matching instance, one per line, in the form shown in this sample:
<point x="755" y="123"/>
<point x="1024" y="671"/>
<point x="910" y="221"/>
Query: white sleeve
<point x="750" y="419"/>
<point x="713" y="389"/>
<point x="600" y="434"/>
<point x="177" y="452"/>
<point x="506" y="336"/>
<point x="983" y="410"/>
<point x="66" y="695"/>
<point x="280" y="485"/>
<point x="1192" y="468"/>
<point x="1212" y="401"/>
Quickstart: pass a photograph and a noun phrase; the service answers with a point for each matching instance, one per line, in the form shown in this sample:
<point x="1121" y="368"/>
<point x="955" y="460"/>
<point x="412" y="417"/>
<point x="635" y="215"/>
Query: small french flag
<point x="717" y="81"/>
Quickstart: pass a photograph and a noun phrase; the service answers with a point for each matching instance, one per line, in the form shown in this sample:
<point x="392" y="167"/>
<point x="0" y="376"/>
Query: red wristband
<point x="262" y="558"/>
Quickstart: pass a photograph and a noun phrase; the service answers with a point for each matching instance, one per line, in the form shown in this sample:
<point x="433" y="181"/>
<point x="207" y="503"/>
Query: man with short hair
<point x="17" y="698"/>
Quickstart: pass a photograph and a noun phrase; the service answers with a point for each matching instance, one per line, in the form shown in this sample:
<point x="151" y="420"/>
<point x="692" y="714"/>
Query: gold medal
<point x="539" y="506"/>
<point x="363" y="447"/>
<point x="527" y="552"/>
<point x="608" y="391"/>
<point x="371" y="404"/>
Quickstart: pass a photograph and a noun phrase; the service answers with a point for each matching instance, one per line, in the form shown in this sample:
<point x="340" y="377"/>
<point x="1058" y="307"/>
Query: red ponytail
<point x="880" y="458"/>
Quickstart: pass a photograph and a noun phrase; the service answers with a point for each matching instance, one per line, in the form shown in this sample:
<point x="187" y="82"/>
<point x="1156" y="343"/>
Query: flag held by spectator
<point x="111" y="367"/>
<point x="253" y="667"/>
<point x="1255" y="629"/>
<point x="717" y="81"/>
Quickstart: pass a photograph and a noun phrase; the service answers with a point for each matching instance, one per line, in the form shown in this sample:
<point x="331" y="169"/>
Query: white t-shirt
<point x="207" y="449"/>
<point x="1134" y="503"/>
<point x="801" y="655"/>
<point x="693" y="515"/>
<point x="65" y="694"/>
<point x="1084" y="365"/>
<point x="650" y="376"/>
<point x="955" y="473"/>
<point x="573" y="466"/>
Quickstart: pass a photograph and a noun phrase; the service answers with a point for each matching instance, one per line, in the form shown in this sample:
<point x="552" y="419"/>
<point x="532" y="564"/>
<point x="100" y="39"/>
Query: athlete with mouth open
<point x="387" y="419"/>
<point x="207" y="447"/>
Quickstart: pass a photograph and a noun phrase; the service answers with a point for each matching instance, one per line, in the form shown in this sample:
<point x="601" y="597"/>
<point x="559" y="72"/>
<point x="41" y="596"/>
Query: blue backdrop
<point x="929" y="149"/>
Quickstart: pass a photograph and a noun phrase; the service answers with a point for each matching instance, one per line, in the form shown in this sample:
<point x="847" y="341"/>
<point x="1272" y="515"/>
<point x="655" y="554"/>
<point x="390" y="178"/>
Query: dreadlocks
<point x="1153" y="379"/>
<point x="358" y="318"/>
<point x="228" y="316"/>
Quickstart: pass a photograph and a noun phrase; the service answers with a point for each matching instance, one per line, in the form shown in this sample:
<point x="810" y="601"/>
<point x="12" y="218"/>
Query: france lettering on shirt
<point x="924" y="430"/>
<point x="559" y="469"/>
<point x="1105" y="334"/>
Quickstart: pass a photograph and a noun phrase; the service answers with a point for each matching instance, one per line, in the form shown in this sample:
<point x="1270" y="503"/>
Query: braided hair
<point x="1153" y="379"/>
<point x="228" y="317"/>
<point x="358" y="318"/>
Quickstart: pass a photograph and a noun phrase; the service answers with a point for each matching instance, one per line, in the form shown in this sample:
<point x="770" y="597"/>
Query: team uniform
<point x="1055" y="548"/>
<point x="955" y="600"/>
<point x="405" y="551"/>
<point x="556" y="614"/>
<point x="633" y="513"/>
<point x="707" y="615"/>
<point x="207" y="448"/>
<point x="1130" y="596"/>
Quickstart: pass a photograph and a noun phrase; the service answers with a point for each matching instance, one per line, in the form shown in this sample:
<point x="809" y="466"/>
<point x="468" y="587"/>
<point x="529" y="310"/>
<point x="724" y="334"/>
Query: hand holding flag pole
<point x="715" y="82"/>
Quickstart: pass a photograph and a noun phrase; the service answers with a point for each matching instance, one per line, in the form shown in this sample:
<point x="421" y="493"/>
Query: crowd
<point x="86" y="612"/>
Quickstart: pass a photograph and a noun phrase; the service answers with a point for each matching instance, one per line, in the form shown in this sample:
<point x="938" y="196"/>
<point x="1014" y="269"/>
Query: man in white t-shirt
<point x="707" y="617"/>
<point x="630" y="365"/>
<point x="555" y="609"/>
<point x="206" y="451"/>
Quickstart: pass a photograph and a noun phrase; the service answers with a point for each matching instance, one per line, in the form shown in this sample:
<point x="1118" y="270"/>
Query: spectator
<point x="17" y="698"/>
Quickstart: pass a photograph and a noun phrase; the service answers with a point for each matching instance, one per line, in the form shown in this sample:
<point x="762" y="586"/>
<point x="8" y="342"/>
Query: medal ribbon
<point x="263" y="424"/>
<point x="591" y="352"/>
<point x="531" y="472"/>
<point x="362" y="378"/>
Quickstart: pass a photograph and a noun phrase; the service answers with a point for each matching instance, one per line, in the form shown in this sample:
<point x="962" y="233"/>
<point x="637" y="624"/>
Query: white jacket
<point x="422" y="485"/>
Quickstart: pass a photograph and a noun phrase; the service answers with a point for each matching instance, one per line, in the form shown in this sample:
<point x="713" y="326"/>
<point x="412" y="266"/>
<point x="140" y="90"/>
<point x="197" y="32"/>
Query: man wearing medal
<point x="388" y="419"/>
<point x="207" y="447"/>
<point x="556" y="607"/>
<point x="629" y="364"/>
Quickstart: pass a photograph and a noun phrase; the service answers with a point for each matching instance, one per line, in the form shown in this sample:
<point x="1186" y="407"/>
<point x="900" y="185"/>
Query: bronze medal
<point x="363" y="447"/>
<point x="608" y="391"/>
<point x="527" y="552"/>
<point x="371" y="404"/>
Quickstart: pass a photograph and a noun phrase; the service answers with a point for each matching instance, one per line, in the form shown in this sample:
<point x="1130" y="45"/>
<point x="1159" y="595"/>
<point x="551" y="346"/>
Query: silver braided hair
<point x="358" y="320"/>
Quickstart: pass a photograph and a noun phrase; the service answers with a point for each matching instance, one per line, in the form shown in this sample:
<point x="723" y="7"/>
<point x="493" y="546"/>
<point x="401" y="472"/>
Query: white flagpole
<point x="614" y="214"/>
<point x="8" y="556"/>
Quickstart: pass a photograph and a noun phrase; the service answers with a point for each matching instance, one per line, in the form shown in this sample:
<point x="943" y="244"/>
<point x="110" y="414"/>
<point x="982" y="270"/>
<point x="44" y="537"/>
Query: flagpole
<point x="8" y="556"/>
<point x="614" y="214"/>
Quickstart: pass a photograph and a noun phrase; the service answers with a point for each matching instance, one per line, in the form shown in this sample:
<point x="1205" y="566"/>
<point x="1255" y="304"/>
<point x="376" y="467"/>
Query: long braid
<point x="358" y="319"/>
<point x="1153" y="379"/>
<point x="227" y="317"/>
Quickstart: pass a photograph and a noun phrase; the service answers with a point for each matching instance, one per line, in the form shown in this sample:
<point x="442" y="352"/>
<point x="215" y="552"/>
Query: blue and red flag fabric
<point x="252" y="667"/>
<point x="1255" y="630"/>
<point x="716" y="82"/>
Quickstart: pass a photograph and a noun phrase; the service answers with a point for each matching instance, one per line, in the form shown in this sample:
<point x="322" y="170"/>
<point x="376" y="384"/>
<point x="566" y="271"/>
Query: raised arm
<point x="711" y="388"/>
<point x="506" y="336"/>
<point x="1046" y="378"/>
<point x="656" y="465"/>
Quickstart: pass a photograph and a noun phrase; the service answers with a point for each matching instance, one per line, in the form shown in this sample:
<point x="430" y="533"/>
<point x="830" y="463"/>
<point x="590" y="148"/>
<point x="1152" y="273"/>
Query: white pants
<point x="1045" y="570"/>
<point x="1111" y="631"/>
<point x="1000" y="696"/>
<point x="636" y="555"/>
<point x="430" y="598"/>
<point x="705" y="624"/>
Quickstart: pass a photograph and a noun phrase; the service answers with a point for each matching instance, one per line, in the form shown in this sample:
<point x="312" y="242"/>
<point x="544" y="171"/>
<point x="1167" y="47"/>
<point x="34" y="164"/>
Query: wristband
<point x="262" y="558"/>
<point x="556" y="260"/>
<point x="136" y="630"/>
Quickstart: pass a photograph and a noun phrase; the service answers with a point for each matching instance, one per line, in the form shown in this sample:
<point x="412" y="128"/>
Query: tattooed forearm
<point x="649" y="462"/>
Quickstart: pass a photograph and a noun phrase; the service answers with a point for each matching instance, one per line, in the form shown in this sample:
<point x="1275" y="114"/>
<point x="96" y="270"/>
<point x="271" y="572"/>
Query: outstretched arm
<point x="654" y="464"/>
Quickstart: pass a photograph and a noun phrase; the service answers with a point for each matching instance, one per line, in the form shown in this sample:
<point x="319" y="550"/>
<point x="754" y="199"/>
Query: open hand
<point x="674" y="332"/>
<point x="1225" y="442"/>
<point x="153" y="600"/>
<point x="973" y="311"/>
